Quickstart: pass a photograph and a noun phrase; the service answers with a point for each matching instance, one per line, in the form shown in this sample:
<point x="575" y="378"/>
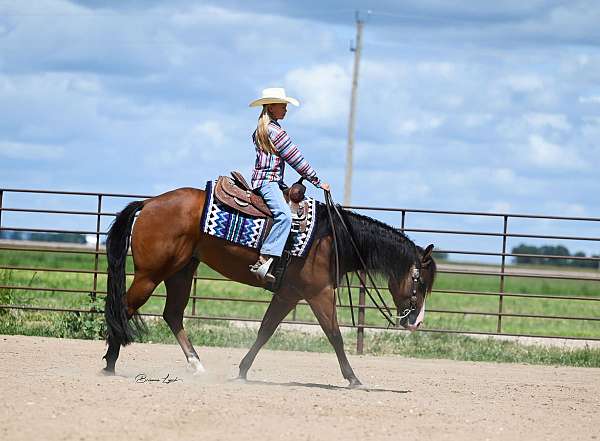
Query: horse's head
<point x="409" y="293"/>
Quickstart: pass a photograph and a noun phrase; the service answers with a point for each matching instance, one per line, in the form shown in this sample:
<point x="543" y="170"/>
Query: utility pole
<point x="350" y="148"/>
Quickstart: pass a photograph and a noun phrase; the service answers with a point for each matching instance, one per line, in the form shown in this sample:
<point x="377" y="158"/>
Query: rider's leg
<point x="282" y="223"/>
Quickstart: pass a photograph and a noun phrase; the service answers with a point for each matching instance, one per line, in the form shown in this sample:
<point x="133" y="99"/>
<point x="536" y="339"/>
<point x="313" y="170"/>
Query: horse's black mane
<point x="385" y="249"/>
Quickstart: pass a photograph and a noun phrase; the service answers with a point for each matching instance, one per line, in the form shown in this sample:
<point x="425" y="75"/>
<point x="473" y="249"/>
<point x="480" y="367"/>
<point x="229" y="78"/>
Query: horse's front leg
<point x="323" y="306"/>
<point x="276" y="312"/>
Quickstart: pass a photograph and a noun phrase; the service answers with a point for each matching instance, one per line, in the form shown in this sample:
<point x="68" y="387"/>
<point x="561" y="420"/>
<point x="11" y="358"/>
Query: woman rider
<point x="273" y="149"/>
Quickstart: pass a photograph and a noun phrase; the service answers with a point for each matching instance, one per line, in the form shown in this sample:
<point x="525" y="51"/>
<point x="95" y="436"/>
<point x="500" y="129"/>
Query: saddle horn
<point x="297" y="191"/>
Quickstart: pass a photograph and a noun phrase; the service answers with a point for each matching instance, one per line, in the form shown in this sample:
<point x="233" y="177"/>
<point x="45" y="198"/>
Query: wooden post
<point x="195" y="276"/>
<point x="502" y="267"/>
<point x="402" y="226"/>
<point x="96" y="255"/>
<point x="351" y="119"/>
<point x="1" y="196"/>
<point x="360" y="331"/>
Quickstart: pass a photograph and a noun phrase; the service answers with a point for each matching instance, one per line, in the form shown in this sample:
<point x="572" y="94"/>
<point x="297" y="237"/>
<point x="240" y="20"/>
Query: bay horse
<point x="167" y="245"/>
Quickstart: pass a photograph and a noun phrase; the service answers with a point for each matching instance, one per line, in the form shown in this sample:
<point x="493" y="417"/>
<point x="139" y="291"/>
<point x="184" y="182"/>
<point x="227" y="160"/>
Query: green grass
<point x="464" y="304"/>
<point x="223" y="334"/>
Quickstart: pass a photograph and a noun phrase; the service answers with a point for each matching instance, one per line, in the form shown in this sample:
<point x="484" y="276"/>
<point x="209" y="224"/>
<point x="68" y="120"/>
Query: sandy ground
<point x="52" y="389"/>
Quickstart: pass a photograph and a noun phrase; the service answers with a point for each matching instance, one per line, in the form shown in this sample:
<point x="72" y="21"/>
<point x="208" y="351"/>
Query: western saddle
<point x="235" y="192"/>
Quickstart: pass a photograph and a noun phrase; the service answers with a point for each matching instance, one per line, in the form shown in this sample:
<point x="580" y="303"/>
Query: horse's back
<point x="168" y="226"/>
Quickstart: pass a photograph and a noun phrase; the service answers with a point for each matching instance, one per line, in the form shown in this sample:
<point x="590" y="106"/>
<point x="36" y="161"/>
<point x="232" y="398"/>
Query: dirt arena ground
<point x="52" y="389"/>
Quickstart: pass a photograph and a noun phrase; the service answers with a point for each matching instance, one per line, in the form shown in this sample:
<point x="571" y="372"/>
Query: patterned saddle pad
<point x="221" y="221"/>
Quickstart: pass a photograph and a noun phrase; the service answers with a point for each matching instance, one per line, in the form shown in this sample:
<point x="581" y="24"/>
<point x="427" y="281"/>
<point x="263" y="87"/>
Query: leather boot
<point x="261" y="269"/>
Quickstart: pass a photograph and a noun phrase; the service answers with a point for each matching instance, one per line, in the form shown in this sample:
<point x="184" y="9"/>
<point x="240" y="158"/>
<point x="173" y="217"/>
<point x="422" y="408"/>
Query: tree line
<point x="43" y="237"/>
<point x="552" y="250"/>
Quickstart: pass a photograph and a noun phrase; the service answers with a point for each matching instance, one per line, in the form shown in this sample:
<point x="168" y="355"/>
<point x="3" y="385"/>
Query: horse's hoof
<point x="107" y="371"/>
<point x="355" y="384"/>
<point x="195" y="367"/>
<point x="239" y="379"/>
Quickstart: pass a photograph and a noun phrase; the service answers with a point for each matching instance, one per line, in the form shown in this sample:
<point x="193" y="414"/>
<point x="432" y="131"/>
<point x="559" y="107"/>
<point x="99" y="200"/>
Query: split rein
<point x="332" y="210"/>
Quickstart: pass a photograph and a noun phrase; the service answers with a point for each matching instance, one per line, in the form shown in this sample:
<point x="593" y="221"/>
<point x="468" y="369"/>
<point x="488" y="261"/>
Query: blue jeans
<point x="282" y="219"/>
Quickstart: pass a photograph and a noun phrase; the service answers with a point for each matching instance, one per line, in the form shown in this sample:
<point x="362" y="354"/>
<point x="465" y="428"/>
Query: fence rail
<point x="475" y="303"/>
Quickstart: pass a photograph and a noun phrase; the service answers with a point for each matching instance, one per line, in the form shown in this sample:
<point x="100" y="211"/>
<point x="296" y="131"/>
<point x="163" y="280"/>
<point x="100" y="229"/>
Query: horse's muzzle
<point x="413" y="320"/>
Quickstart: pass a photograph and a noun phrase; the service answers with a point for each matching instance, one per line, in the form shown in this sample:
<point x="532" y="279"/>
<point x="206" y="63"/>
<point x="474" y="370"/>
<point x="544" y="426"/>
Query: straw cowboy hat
<point x="274" y="95"/>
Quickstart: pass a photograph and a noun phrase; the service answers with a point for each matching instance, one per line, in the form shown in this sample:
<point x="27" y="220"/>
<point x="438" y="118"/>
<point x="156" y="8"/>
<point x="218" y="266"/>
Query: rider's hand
<point x="325" y="186"/>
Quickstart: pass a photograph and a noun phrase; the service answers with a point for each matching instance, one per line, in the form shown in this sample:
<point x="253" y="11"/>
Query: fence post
<point x="402" y="226"/>
<point x="360" y="330"/>
<point x="502" y="268"/>
<point x="96" y="255"/>
<point x="194" y="292"/>
<point x="1" y="195"/>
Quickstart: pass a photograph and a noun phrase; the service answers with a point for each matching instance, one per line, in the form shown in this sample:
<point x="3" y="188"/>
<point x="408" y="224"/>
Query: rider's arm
<point x="292" y="155"/>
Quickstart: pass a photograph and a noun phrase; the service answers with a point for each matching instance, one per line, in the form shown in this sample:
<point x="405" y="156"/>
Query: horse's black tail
<point x="118" y="328"/>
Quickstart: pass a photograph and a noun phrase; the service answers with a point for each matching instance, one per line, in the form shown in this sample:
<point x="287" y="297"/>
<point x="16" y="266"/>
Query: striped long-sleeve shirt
<point x="270" y="166"/>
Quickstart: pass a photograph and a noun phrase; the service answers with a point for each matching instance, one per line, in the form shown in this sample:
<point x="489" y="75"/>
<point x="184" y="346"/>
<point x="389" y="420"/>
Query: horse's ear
<point x="427" y="253"/>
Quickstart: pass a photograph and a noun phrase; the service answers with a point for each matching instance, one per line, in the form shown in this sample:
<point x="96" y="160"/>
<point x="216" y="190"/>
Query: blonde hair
<point x="262" y="132"/>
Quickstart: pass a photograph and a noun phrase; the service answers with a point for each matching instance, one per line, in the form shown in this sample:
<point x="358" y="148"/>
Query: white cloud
<point x="17" y="150"/>
<point x="203" y="15"/>
<point x="452" y="101"/>
<point x="388" y="188"/>
<point x="387" y="71"/>
<point x="85" y="85"/>
<point x="583" y="60"/>
<point x="555" y="121"/>
<point x="524" y="83"/>
<point x="407" y="127"/>
<point x="171" y="81"/>
<point x="566" y="208"/>
<point x="590" y="134"/>
<point x="211" y="131"/>
<point x="439" y="69"/>
<point x="422" y="123"/>
<point x="472" y="120"/>
<point x="201" y="143"/>
<point x="545" y="154"/>
<point x="323" y="91"/>
<point x="591" y="120"/>
<point x="504" y="176"/>
<point x="592" y="99"/>
<point x="500" y="207"/>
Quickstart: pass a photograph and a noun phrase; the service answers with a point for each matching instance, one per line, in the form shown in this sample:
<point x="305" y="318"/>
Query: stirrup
<point x="261" y="270"/>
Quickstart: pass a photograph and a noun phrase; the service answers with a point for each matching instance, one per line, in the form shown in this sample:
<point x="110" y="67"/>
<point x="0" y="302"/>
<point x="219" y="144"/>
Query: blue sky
<point x="474" y="106"/>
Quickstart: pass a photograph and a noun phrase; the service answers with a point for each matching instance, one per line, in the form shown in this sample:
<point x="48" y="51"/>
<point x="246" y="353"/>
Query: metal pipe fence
<point x="498" y="299"/>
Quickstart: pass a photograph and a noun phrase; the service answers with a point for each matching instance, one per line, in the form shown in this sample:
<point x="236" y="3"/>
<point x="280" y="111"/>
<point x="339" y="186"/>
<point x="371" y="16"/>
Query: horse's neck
<point x="371" y="250"/>
<point x="365" y="263"/>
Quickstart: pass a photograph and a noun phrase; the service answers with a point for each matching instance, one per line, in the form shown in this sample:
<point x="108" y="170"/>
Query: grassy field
<point x="465" y="305"/>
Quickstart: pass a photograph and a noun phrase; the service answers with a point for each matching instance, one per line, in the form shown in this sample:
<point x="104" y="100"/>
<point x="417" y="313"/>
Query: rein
<point x="383" y="309"/>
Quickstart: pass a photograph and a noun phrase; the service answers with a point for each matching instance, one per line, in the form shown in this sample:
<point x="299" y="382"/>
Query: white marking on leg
<point x="195" y="366"/>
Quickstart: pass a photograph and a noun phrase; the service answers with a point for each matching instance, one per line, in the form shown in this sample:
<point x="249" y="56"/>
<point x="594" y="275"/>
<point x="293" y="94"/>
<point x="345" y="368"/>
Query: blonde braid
<point x="262" y="132"/>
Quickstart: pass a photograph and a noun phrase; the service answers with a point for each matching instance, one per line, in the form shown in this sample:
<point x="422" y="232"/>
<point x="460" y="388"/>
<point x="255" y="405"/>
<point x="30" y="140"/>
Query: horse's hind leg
<point x="178" y="294"/>
<point x="138" y="293"/>
<point x="323" y="306"/>
<point x="276" y="312"/>
<point x="111" y="356"/>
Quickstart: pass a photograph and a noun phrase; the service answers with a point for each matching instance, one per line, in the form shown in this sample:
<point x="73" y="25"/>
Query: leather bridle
<point x="412" y="306"/>
<point x="383" y="308"/>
